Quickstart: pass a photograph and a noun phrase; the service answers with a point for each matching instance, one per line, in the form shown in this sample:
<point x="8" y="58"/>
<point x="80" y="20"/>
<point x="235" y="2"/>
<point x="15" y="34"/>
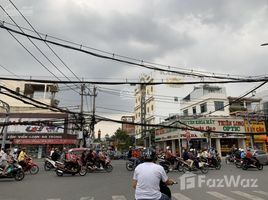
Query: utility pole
<point x="4" y="129"/>
<point x="143" y="114"/>
<point x="93" y="119"/>
<point x="82" y="116"/>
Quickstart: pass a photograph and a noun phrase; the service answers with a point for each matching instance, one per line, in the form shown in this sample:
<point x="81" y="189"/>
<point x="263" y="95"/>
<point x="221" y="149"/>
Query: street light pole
<point x="4" y="130"/>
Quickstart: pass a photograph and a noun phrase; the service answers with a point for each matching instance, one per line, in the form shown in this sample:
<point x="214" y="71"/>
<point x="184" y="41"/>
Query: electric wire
<point x="120" y="60"/>
<point x="127" y="57"/>
<point x="38" y="50"/>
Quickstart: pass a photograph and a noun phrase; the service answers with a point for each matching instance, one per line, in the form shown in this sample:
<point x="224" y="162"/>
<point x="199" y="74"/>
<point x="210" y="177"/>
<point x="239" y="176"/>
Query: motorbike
<point x="238" y="162"/>
<point x="49" y="164"/>
<point x="249" y="164"/>
<point x="213" y="163"/>
<point x="196" y="166"/>
<point x="164" y="163"/>
<point x="165" y="189"/>
<point x="91" y="167"/>
<point x="70" y="167"/>
<point x="230" y="158"/>
<point x="132" y="163"/>
<point x="30" y="166"/>
<point x="14" y="170"/>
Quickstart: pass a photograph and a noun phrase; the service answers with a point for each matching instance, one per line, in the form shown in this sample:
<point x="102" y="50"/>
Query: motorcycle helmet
<point x="149" y="154"/>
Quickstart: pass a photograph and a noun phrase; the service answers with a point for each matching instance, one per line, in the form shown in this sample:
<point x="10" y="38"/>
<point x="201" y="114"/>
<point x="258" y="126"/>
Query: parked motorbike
<point x="91" y="167"/>
<point x="71" y="167"/>
<point x="30" y="166"/>
<point x="49" y="164"/>
<point x="249" y="164"/>
<point x="14" y="170"/>
<point x="196" y="166"/>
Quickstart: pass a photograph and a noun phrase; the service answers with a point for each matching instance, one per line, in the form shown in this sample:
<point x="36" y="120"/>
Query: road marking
<point x="119" y="197"/>
<point x="220" y="196"/>
<point x="248" y="196"/>
<point x="180" y="196"/>
<point x="261" y="192"/>
<point x="87" y="198"/>
<point x="54" y="199"/>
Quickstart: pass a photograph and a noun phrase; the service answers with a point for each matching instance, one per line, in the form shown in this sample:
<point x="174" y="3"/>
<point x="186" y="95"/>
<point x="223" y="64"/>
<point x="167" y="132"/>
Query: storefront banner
<point x="39" y="136"/>
<point x="228" y="124"/>
<point x="217" y="124"/>
<point x="34" y="128"/>
<point x="255" y="127"/>
<point x="44" y="141"/>
<point x="167" y="136"/>
<point x="191" y="134"/>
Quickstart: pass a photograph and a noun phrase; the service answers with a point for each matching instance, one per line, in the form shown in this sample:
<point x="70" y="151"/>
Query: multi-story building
<point x="205" y="100"/>
<point x="251" y="109"/>
<point x="37" y="138"/>
<point x="204" y="109"/>
<point x="128" y="128"/>
<point x="154" y="103"/>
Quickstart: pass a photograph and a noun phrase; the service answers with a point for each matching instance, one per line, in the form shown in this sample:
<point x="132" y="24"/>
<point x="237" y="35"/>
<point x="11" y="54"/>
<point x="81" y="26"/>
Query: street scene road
<point x="46" y="185"/>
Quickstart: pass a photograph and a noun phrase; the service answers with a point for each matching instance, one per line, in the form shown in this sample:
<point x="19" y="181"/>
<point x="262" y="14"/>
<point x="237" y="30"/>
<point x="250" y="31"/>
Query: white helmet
<point x="191" y="149"/>
<point x="242" y="150"/>
<point x="168" y="147"/>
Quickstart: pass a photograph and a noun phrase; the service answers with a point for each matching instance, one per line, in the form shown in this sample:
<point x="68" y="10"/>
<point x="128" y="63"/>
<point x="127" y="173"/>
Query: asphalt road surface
<point x="229" y="183"/>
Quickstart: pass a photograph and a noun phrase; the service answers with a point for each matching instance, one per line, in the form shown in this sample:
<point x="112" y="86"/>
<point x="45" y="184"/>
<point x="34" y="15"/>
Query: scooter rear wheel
<point x="34" y="169"/>
<point x="259" y="166"/>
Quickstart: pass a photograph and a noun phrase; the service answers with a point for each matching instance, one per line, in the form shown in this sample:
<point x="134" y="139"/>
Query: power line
<point x="127" y="57"/>
<point x="120" y="60"/>
<point x="37" y="49"/>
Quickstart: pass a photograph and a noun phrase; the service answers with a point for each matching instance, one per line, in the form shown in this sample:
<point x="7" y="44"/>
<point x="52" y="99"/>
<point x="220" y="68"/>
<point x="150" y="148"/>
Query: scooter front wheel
<point x="83" y="171"/>
<point x="19" y="175"/>
<point x="59" y="173"/>
<point x="109" y="168"/>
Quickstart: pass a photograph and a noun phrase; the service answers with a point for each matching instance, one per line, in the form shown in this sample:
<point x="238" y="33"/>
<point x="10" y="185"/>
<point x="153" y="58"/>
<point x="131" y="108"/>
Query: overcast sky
<point x="212" y="36"/>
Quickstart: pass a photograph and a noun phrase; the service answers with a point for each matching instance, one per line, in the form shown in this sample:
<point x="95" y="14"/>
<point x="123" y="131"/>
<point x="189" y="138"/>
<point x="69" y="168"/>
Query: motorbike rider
<point x="8" y="160"/>
<point x="3" y="160"/>
<point x="147" y="177"/>
<point x="250" y="158"/>
<point x="169" y="156"/>
<point x="242" y="154"/>
<point x="191" y="158"/>
<point x="90" y="159"/>
<point x="22" y="157"/>
<point x="55" y="155"/>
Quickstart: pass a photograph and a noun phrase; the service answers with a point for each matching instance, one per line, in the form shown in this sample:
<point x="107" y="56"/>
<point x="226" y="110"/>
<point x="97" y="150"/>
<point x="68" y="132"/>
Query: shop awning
<point x="44" y="141"/>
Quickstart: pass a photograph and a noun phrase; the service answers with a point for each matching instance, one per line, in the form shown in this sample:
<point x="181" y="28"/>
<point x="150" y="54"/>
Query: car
<point x="261" y="155"/>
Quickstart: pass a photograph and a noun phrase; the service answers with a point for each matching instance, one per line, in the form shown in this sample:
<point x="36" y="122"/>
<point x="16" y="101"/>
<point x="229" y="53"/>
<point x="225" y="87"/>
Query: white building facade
<point x="159" y="100"/>
<point x="205" y="108"/>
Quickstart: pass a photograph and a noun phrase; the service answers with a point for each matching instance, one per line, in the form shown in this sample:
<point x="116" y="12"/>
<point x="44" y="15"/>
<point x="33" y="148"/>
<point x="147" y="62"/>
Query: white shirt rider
<point x="146" y="180"/>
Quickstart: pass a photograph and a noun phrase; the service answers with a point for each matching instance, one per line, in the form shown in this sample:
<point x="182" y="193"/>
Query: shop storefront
<point x="200" y="139"/>
<point x="39" y="145"/>
<point x="39" y="139"/>
<point x="259" y="140"/>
